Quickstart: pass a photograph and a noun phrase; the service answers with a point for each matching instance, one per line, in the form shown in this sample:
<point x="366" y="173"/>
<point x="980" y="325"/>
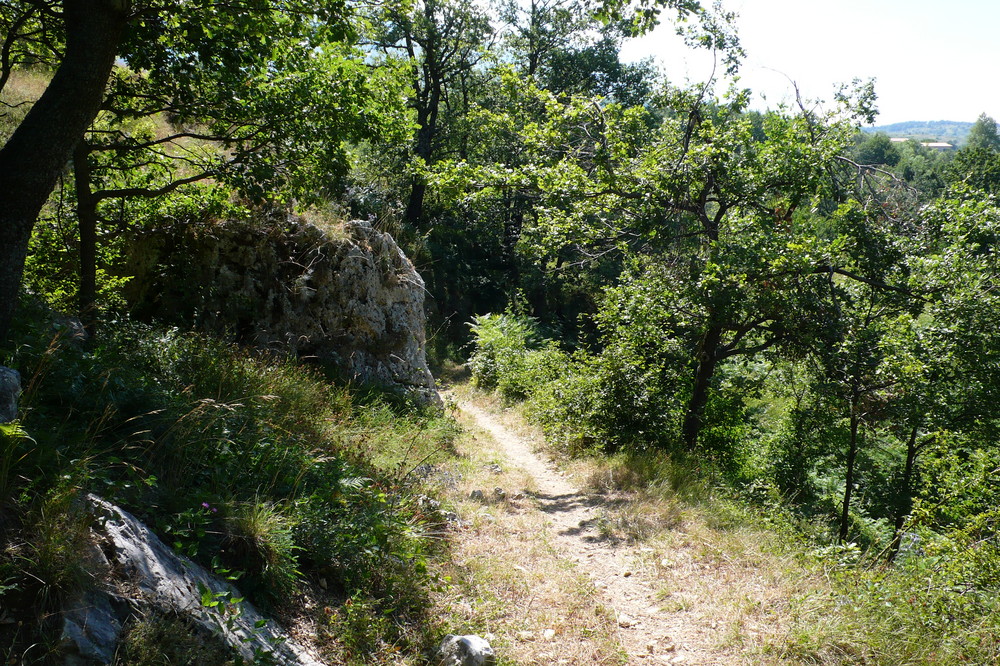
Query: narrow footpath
<point x="653" y="628"/>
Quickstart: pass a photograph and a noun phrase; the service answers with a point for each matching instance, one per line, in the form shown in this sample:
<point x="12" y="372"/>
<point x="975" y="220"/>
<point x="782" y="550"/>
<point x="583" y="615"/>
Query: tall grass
<point x="250" y="463"/>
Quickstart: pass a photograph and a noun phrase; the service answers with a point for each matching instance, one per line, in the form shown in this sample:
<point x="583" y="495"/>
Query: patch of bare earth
<point x="552" y="585"/>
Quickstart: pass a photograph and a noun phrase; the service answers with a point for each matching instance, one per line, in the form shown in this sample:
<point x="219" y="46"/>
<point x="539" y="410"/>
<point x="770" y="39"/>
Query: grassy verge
<point x="748" y="579"/>
<point x="307" y="491"/>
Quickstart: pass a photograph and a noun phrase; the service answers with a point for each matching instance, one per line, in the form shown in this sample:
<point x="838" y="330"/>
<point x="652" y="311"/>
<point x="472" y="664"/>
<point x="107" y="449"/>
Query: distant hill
<point x="927" y="130"/>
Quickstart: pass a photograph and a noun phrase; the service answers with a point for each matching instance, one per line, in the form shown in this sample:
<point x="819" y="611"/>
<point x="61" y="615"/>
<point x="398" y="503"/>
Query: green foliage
<point x="52" y="268"/>
<point x="511" y="356"/>
<point x="975" y="167"/>
<point x="50" y="561"/>
<point x="983" y="135"/>
<point x="362" y="626"/>
<point x="15" y="447"/>
<point x="877" y="149"/>
<point x="251" y="464"/>
<point x="160" y="640"/>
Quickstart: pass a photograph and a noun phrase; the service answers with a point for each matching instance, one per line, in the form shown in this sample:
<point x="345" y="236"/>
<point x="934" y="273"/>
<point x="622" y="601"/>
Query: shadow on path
<point x="587" y="527"/>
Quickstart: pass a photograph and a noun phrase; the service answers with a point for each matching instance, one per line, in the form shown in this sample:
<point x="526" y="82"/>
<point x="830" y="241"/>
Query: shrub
<point x="259" y="541"/>
<point x="511" y="355"/>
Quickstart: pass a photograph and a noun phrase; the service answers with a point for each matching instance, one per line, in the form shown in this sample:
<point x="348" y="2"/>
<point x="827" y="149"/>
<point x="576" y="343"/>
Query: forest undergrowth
<point x="306" y="492"/>
<point x="832" y="601"/>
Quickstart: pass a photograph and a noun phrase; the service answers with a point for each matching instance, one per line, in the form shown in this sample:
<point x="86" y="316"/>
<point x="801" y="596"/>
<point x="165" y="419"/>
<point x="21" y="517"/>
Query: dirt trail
<point x="651" y="631"/>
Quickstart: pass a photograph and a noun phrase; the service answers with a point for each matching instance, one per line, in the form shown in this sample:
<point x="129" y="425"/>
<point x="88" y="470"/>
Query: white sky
<point x="932" y="59"/>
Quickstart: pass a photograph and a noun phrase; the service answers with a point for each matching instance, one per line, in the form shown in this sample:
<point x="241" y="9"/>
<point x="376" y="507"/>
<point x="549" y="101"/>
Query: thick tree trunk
<point x="415" y="204"/>
<point x="708" y="360"/>
<point x="86" y="215"/>
<point x="37" y="152"/>
<point x="852" y="456"/>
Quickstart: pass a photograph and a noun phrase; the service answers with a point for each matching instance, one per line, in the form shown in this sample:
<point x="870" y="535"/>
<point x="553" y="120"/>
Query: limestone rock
<point x="91" y="623"/>
<point x="465" y="651"/>
<point x="159" y="579"/>
<point x="10" y="389"/>
<point x="344" y="294"/>
<point x="91" y="630"/>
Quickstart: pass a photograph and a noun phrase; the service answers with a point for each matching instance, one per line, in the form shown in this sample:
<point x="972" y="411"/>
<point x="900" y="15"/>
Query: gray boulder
<point x="465" y="651"/>
<point x="140" y="573"/>
<point x="70" y="330"/>
<point x="10" y="389"/>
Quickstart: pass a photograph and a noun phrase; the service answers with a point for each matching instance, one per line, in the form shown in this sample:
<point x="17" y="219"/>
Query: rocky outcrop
<point x="345" y="294"/>
<point x="10" y="389"/>
<point x="138" y="574"/>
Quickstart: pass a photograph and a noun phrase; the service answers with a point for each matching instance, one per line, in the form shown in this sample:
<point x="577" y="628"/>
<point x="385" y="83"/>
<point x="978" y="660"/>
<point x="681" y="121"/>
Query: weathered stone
<point x="71" y="330"/>
<point x="345" y="294"/>
<point x="91" y="624"/>
<point x="10" y="389"/>
<point x="91" y="630"/>
<point x="161" y="580"/>
<point x="465" y="651"/>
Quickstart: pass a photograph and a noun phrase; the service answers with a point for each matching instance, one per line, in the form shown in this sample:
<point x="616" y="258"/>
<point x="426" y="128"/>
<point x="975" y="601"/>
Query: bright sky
<point x="932" y="59"/>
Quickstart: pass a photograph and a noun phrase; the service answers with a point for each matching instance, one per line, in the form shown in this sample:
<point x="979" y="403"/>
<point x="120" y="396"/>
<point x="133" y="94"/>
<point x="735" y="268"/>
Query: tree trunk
<point x="852" y="456"/>
<point x="424" y="148"/>
<point x="37" y="152"/>
<point x="904" y="503"/>
<point x="708" y="360"/>
<point x="415" y="205"/>
<point x="86" y="215"/>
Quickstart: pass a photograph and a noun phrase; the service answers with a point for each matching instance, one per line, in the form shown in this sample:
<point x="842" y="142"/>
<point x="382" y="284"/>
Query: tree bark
<point x="424" y="148"/>
<point x="708" y="360"/>
<point x="86" y="216"/>
<point x="852" y="456"/>
<point x="905" y="497"/>
<point x="37" y="152"/>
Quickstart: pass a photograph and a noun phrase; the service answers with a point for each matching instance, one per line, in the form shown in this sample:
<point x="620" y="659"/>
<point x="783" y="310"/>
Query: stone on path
<point x="469" y="650"/>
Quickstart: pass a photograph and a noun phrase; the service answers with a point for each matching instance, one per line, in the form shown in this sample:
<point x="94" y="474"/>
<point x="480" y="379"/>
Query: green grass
<point x="248" y="463"/>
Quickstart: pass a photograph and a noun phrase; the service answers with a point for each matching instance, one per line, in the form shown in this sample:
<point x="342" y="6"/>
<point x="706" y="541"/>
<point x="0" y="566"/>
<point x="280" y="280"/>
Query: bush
<point x="259" y="541"/>
<point x="512" y="357"/>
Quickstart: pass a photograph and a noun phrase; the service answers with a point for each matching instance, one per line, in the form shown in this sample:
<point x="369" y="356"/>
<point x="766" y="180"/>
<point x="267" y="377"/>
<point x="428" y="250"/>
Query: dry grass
<point x="25" y="85"/>
<point x="22" y="89"/>
<point x="731" y="585"/>
<point x="509" y="582"/>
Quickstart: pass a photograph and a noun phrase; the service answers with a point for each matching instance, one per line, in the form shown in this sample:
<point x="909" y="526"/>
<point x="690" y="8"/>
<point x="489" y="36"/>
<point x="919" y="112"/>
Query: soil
<point x="654" y="627"/>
